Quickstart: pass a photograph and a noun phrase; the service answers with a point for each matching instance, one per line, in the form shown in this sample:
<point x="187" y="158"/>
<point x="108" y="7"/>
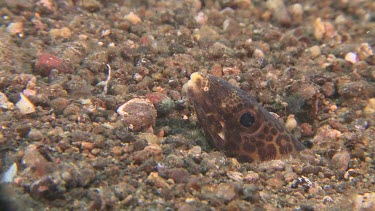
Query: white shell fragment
<point x="4" y="102"/>
<point x="25" y="106"/>
<point x="10" y="174"/>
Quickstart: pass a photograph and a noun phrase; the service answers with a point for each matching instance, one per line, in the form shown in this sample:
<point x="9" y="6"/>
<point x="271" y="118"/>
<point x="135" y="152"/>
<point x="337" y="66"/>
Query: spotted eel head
<point x="236" y="123"/>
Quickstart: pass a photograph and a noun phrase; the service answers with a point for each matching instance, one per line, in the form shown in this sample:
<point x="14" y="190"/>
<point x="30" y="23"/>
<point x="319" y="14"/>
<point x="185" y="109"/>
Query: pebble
<point x="133" y="18"/>
<point x="370" y="107"/>
<point x="364" y="202"/>
<point x="9" y="174"/>
<point x="117" y="151"/>
<point x="340" y="161"/>
<point x="234" y="175"/>
<point x="306" y="129"/>
<point x="351" y="57"/>
<point x="155" y="150"/>
<point x="251" y="177"/>
<point x="315" y="51"/>
<point x="326" y="134"/>
<point x="25" y="105"/>
<point x="59" y="104"/>
<point x="179" y="175"/>
<point x="158" y="181"/>
<point x="87" y="145"/>
<point x="275" y="183"/>
<point x="279" y="12"/>
<point x="226" y="192"/>
<point x="272" y="166"/>
<point x="291" y="122"/>
<point x="364" y="51"/>
<point x="323" y="29"/>
<point x="15" y="28"/>
<point x="296" y="12"/>
<point x="34" y="161"/>
<point x="163" y="104"/>
<point x="138" y="114"/>
<point x="64" y="32"/>
<point x="47" y="62"/>
<point x="4" y="102"/>
<point x="35" y="135"/>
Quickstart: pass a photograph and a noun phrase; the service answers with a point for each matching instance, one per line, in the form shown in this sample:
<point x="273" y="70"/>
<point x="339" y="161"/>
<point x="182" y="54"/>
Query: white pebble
<point x="351" y="57"/>
<point x="4" y="102"/>
<point x="10" y="173"/>
<point x="25" y="106"/>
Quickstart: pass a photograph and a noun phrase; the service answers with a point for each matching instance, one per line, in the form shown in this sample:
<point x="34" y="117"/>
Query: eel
<point x="236" y="123"/>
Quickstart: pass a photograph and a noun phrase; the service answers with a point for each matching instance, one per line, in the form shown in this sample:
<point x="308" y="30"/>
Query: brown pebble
<point x="59" y="104"/>
<point x="306" y="129"/>
<point x="279" y="12"/>
<point x="226" y="192"/>
<point x="87" y="145"/>
<point x="340" y="161"/>
<point x="117" y="150"/>
<point x="138" y="114"/>
<point x="179" y="175"/>
<point x="48" y="62"/>
<point x="216" y="70"/>
<point x="275" y="183"/>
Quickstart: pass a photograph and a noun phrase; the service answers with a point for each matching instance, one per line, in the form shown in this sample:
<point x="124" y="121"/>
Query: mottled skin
<point x="236" y="123"/>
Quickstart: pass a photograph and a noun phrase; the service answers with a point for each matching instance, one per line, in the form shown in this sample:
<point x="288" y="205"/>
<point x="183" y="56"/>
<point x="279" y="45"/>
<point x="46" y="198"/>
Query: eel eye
<point x="247" y="119"/>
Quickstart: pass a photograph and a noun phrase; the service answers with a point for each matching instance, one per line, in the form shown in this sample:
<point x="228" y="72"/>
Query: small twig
<point x="105" y="83"/>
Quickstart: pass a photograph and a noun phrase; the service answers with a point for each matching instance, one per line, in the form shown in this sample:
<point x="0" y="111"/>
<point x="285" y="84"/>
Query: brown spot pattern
<point x="266" y="139"/>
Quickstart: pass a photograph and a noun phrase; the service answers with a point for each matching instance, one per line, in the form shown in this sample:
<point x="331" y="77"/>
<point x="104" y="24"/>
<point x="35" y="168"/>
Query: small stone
<point x="258" y="53"/>
<point x="35" y="135"/>
<point x="155" y="151"/>
<point x="65" y="32"/>
<point x="15" y="28"/>
<point x="91" y="5"/>
<point x="132" y="18"/>
<point x="87" y="145"/>
<point x="117" y="151"/>
<point x="226" y="192"/>
<point x="251" y="177"/>
<point x="326" y="134"/>
<point x="296" y="12"/>
<point x="340" y="161"/>
<point x="291" y="122"/>
<point x="4" y="102"/>
<point x="328" y="89"/>
<point x="59" y="104"/>
<point x="47" y="62"/>
<point x="323" y="29"/>
<point x="9" y="174"/>
<point x="234" y="175"/>
<point x="216" y="70"/>
<point x="364" y="51"/>
<point x="272" y="166"/>
<point x="34" y="161"/>
<point x="279" y="12"/>
<point x="71" y="110"/>
<point x="158" y="181"/>
<point x="315" y="51"/>
<point x="201" y="18"/>
<point x="364" y="202"/>
<point x="369" y="110"/>
<point x="25" y="105"/>
<point x="138" y="114"/>
<point x="163" y="104"/>
<point x="179" y="175"/>
<point x="306" y="129"/>
<point x="351" y="57"/>
<point x="275" y="183"/>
